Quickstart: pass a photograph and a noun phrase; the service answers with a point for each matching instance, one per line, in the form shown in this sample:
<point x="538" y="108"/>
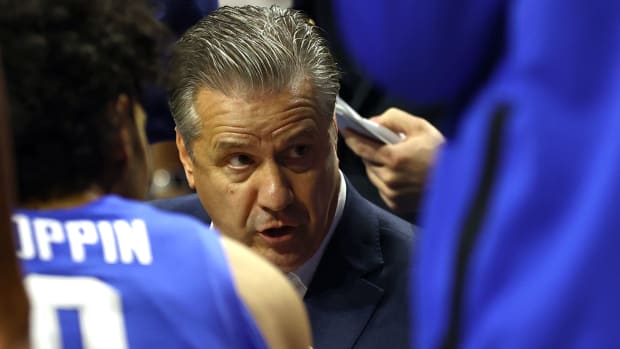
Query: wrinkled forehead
<point x="247" y="87"/>
<point x="238" y="98"/>
<point x="266" y="117"/>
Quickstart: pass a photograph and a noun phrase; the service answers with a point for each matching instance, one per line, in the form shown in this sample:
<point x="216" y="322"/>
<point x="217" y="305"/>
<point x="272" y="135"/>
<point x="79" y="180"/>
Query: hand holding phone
<point x="348" y="118"/>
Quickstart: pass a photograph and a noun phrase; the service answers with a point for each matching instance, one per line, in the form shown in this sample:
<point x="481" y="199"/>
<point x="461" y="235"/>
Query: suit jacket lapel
<point x="340" y="300"/>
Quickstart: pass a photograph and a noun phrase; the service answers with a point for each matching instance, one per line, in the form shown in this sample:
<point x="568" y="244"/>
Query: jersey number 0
<point x="98" y="304"/>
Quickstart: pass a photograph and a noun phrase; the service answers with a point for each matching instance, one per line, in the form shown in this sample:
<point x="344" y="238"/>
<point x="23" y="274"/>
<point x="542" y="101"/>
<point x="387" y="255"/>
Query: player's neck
<point x="69" y="201"/>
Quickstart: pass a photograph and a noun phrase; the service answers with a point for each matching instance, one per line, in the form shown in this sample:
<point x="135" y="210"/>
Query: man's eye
<point x="240" y="161"/>
<point x="299" y="151"/>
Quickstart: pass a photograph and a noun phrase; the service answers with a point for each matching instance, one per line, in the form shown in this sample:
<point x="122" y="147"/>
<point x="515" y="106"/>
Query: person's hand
<point x="398" y="170"/>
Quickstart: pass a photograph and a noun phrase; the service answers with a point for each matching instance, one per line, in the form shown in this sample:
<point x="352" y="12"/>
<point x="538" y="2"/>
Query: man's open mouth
<point x="277" y="235"/>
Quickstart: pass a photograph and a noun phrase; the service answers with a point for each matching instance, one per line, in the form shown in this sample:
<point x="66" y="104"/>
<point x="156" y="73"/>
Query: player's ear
<point x="131" y="123"/>
<point x="122" y="104"/>
<point x="186" y="160"/>
<point x="121" y="114"/>
<point x="129" y="155"/>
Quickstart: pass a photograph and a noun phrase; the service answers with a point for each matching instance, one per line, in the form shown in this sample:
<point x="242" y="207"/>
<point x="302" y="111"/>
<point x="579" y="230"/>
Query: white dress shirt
<point x="301" y="277"/>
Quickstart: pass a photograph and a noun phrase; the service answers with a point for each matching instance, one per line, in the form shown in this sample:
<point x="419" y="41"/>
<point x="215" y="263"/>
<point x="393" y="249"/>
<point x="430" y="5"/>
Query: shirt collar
<point x="305" y="272"/>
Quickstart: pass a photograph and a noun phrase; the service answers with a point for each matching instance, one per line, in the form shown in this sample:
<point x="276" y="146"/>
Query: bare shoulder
<point x="277" y="309"/>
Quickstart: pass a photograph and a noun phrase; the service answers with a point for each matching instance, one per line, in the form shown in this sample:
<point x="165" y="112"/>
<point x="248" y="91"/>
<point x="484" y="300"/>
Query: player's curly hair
<point x="65" y="61"/>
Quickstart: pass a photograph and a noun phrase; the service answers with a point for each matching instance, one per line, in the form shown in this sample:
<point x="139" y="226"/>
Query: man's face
<point x="266" y="171"/>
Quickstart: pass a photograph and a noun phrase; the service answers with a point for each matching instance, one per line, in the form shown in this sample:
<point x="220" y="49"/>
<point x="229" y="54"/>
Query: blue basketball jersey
<point x="121" y="274"/>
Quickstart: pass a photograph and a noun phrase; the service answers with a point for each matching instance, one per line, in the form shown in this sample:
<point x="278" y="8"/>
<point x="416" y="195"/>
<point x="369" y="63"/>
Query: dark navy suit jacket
<point x="358" y="297"/>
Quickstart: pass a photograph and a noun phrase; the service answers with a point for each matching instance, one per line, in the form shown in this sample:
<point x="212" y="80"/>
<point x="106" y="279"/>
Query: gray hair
<point x="246" y="50"/>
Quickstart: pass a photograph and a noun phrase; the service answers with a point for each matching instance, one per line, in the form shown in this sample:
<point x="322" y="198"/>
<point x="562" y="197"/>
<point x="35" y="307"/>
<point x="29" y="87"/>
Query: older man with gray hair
<point x="252" y="93"/>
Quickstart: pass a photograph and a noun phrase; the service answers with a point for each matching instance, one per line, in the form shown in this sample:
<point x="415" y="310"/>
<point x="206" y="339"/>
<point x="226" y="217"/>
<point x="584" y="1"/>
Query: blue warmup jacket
<point x="519" y="247"/>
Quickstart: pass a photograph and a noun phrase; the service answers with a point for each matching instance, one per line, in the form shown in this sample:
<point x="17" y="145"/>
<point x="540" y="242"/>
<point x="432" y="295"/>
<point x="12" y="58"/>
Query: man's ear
<point x="186" y="160"/>
<point x="334" y="133"/>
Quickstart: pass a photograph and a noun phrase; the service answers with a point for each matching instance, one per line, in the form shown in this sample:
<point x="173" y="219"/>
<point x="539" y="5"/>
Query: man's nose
<point x="275" y="192"/>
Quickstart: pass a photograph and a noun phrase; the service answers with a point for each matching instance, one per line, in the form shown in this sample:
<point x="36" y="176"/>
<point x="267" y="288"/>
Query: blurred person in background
<point x="520" y="223"/>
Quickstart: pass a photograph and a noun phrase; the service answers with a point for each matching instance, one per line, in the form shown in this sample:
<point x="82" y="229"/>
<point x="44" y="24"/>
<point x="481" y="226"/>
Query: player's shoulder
<point x="185" y="204"/>
<point x="275" y="306"/>
<point x="168" y="228"/>
<point x="146" y="211"/>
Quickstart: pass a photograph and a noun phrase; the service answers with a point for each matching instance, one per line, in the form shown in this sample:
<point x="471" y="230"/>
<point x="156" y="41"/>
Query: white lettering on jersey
<point x="98" y="304"/>
<point x="80" y="233"/>
<point x="108" y="242"/>
<point x="26" y="245"/>
<point x="47" y="232"/>
<point x="133" y="240"/>
<point x="127" y="239"/>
